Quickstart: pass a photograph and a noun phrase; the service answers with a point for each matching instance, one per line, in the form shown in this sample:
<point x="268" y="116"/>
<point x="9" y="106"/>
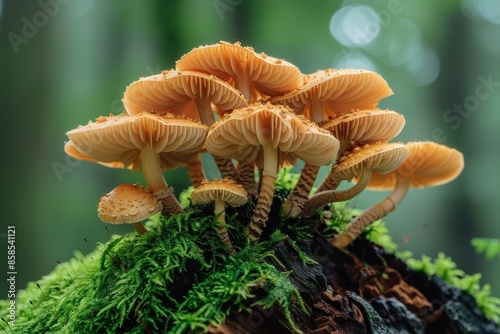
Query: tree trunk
<point x="361" y="290"/>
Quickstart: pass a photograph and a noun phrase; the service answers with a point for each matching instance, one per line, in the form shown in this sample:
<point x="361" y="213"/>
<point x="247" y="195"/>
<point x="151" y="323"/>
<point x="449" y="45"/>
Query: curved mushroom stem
<point x="246" y="176"/>
<point x="300" y="194"/>
<point x="220" y="206"/>
<point x="266" y="193"/>
<point x="151" y="168"/>
<point x="195" y="171"/>
<point x="379" y="210"/>
<point x="140" y="228"/>
<point x="329" y="183"/>
<point x="322" y="198"/>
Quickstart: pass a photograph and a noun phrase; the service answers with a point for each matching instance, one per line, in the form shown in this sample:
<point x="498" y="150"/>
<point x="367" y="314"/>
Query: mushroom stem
<point x="205" y="111"/>
<point x="329" y="183"/>
<point x="219" y="209"/>
<point x="140" y="228"/>
<point x="329" y="196"/>
<point x="266" y="193"/>
<point x="226" y="168"/>
<point x="377" y="211"/>
<point x="300" y="193"/>
<point x="247" y="178"/>
<point x="195" y="171"/>
<point x="151" y="168"/>
<point x="243" y="85"/>
<point x="317" y="111"/>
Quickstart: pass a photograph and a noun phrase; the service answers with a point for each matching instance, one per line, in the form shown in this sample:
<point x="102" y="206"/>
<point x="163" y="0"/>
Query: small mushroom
<point x="148" y="142"/>
<point x="269" y="135"/>
<point x="429" y="164"/>
<point x="128" y="203"/>
<point x="257" y="75"/>
<point x="361" y="127"/>
<point x="187" y="94"/>
<point x="221" y="192"/>
<point x="360" y="162"/>
<point x="364" y="126"/>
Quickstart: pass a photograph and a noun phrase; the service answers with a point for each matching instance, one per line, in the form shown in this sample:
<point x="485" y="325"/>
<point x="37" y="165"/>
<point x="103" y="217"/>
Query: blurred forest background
<point x="64" y="62"/>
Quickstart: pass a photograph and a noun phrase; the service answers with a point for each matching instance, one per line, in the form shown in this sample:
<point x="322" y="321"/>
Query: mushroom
<point x="257" y="75"/>
<point x="269" y="135"/>
<point x="359" y="162"/>
<point x="128" y="203"/>
<point x="429" y="164"/>
<point x="147" y="142"/>
<point x="187" y="94"/>
<point x="361" y="127"/>
<point x="356" y="127"/>
<point x="328" y="93"/>
<point x="221" y="192"/>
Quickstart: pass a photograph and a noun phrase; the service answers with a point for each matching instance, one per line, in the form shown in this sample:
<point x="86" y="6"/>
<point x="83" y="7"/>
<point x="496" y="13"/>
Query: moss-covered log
<point x="181" y="278"/>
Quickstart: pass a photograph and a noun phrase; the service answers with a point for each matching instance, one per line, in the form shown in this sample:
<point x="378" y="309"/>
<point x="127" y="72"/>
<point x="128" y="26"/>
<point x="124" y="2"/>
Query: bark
<point x="362" y="289"/>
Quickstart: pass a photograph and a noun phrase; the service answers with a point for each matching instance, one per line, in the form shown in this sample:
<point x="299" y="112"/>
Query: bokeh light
<point x="488" y="10"/>
<point x="355" y="25"/>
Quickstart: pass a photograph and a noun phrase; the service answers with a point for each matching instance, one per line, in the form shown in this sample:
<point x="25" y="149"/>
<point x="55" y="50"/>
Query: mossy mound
<point x="181" y="278"/>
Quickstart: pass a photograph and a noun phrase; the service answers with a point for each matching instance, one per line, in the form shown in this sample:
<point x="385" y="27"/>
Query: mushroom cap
<point x="127" y="203"/>
<point x="366" y="126"/>
<point x="267" y="76"/>
<point x="339" y="91"/>
<point x="175" y="92"/>
<point x="429" y="164"/>
<point x="225" y="190"/>
<point x="242" y="134"/>
<point x="378" y="157"/>
<point x="71" y="150"/>
<point x="120" y="139"/>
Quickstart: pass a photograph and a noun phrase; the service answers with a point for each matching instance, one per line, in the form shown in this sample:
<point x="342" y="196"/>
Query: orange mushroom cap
<point x="328" y="93"/>
<point x="241" y="135"/>
<point x="178" y="92"/>
<point x="257" y="75"/>
<point x="119" y="139"/>
<point x="366" y="126"/>
<point x="127" y="203"/>
<point x="429" y="164"/>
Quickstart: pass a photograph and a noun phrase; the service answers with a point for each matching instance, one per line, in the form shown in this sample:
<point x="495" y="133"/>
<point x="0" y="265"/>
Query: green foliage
<point x="378" y="233"/>
<point x="286" y="179"/>
<point x="185" y="196"/>
<point x="342" y="213"/>
<point x="490" y="247"/>
<point x="444" y="267"/>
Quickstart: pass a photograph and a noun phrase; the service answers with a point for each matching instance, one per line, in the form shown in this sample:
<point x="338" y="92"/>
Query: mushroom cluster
<point x="256" y="114"/>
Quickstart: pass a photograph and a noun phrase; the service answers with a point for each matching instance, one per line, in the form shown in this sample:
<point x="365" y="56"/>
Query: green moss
<point x="489" y="246"/>
<point x="178" y="276"/>
<point x="444" y="267"/>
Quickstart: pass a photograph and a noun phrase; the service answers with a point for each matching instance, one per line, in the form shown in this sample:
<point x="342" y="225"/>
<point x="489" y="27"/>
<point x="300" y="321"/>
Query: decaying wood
<point x="362" y="289"/>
